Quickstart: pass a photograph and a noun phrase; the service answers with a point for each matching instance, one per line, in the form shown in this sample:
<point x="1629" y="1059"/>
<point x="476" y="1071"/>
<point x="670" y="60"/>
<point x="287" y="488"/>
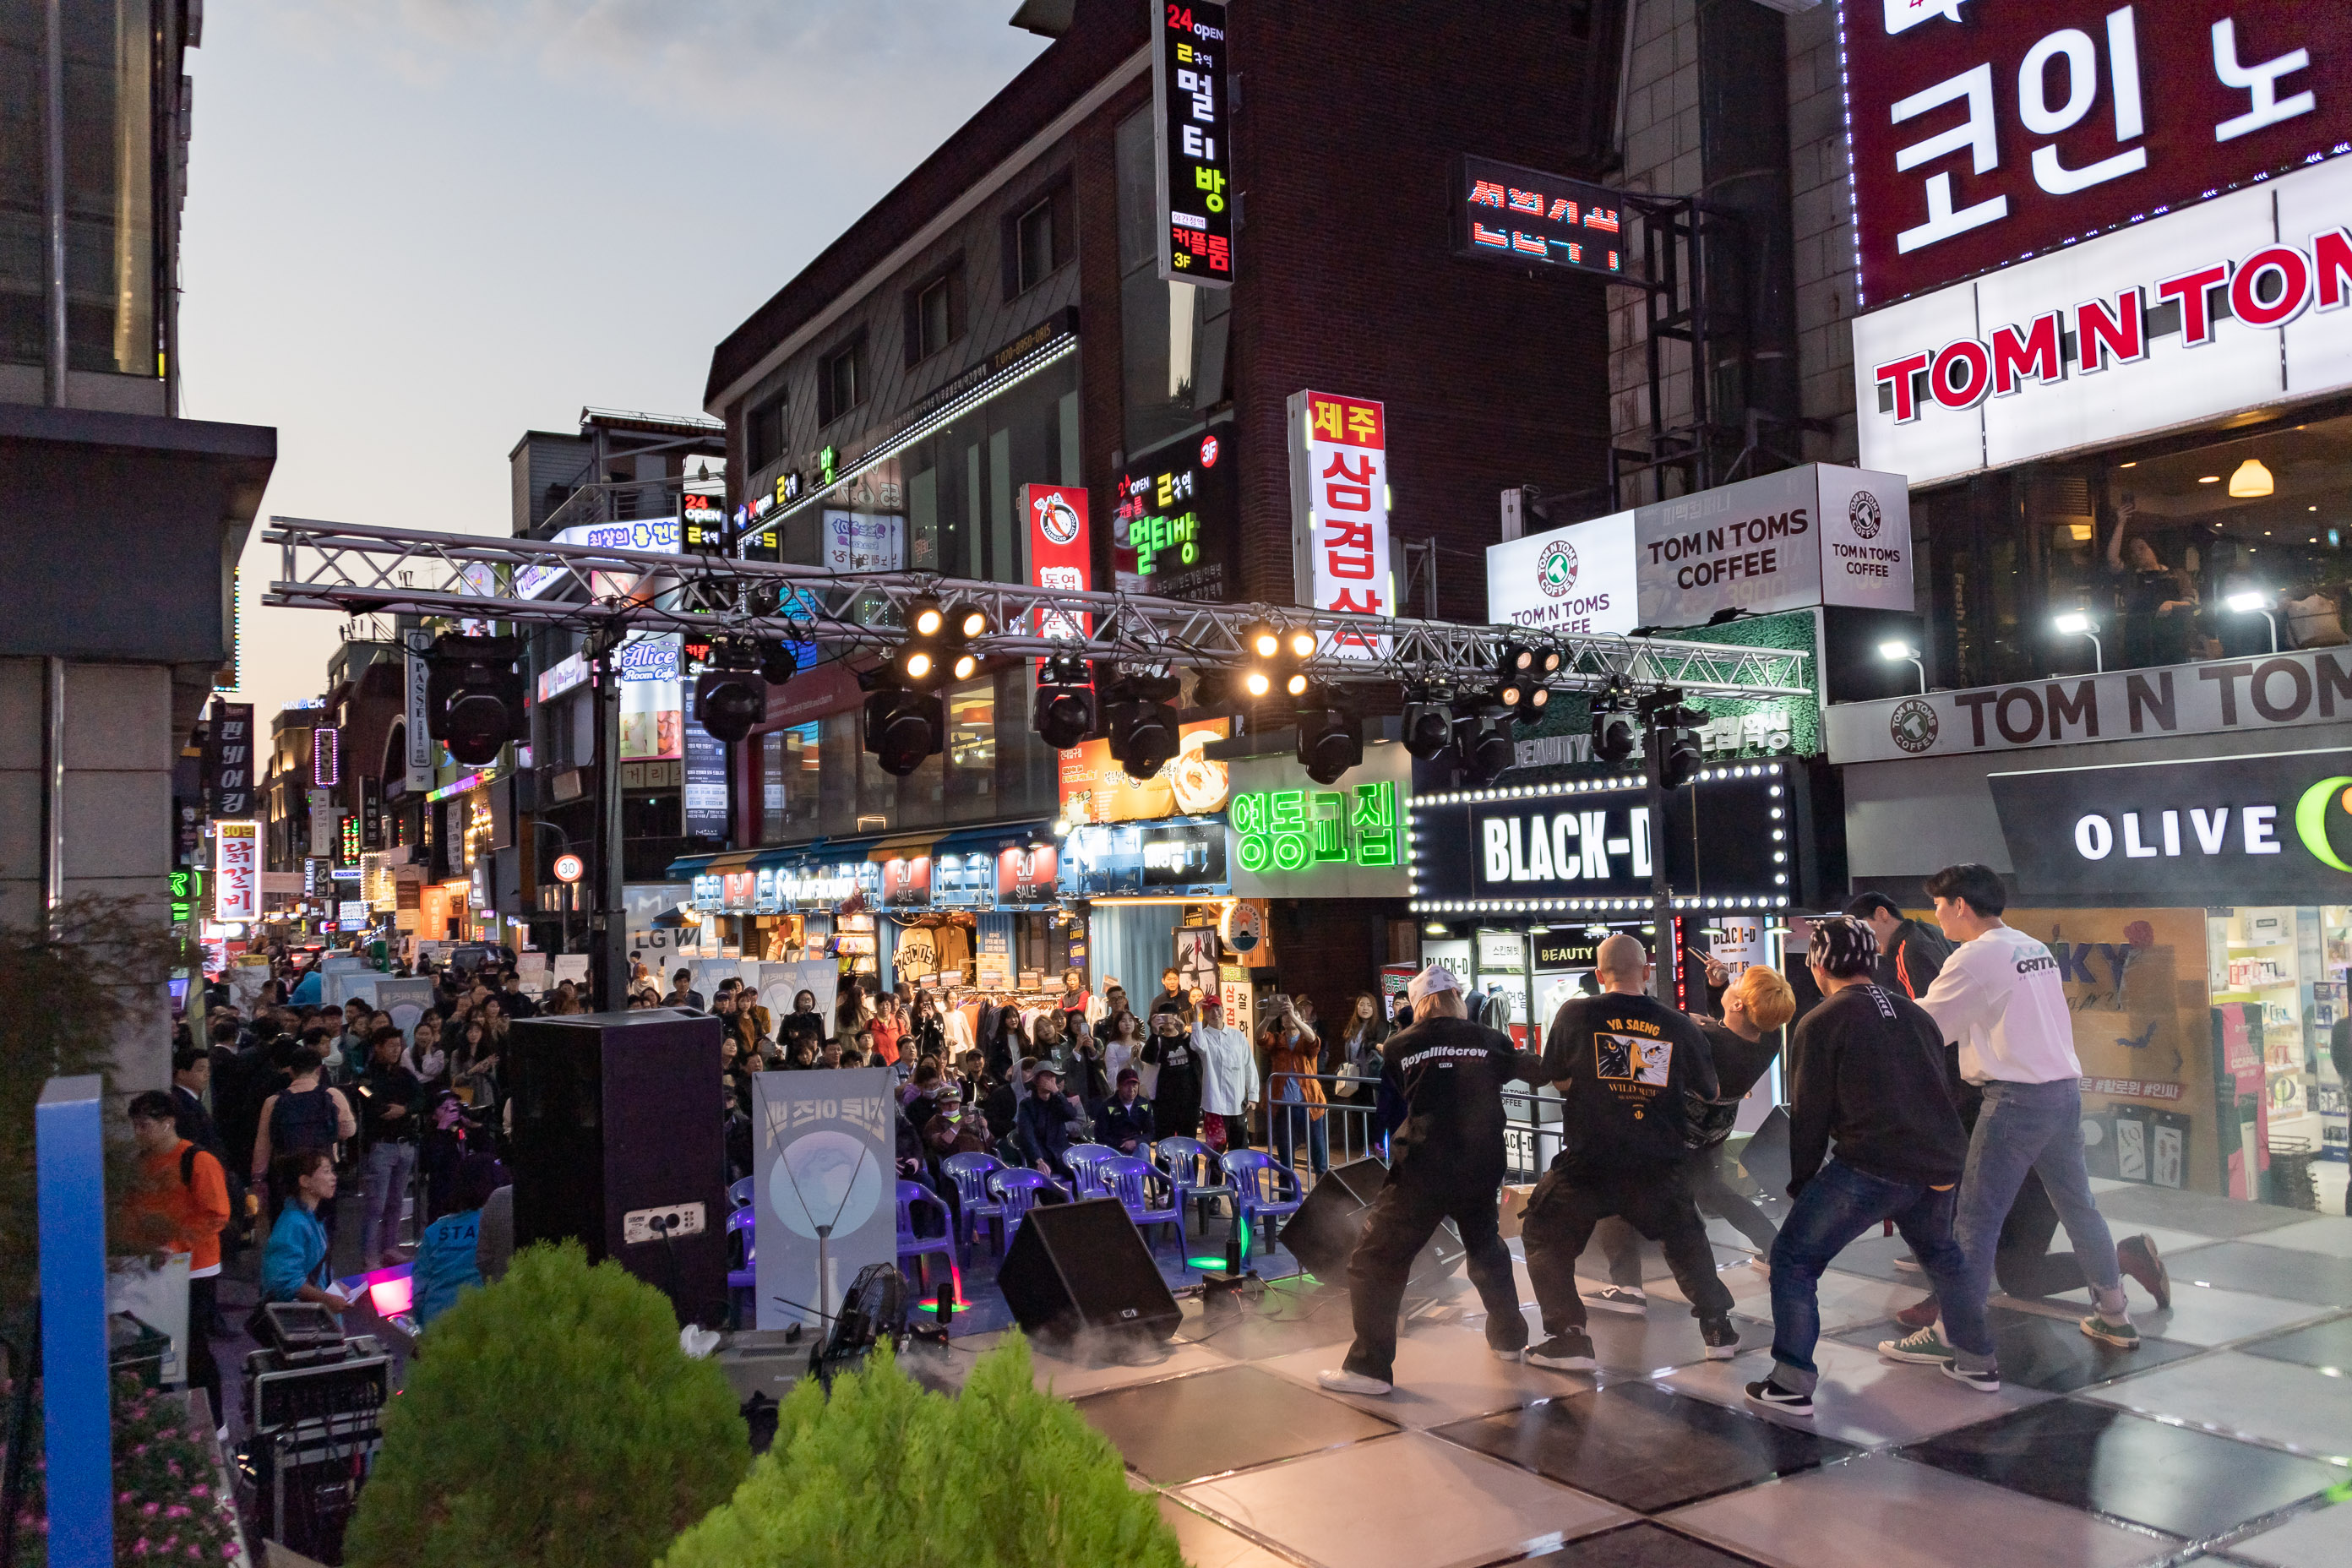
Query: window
<point x="931" y="332"/>
<point x="764" y="433"/>
<point x="1174" y="338"/>
<point x="841" y="381"/>
<point x="1034" y="239"/>
<point x="789" y="774"/>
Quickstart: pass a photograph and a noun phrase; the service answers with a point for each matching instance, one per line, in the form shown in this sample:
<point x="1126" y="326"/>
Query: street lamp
<point x="2075" y="624"/>
<point x="2255" y="604"/>
<point x="1895" y="652"/>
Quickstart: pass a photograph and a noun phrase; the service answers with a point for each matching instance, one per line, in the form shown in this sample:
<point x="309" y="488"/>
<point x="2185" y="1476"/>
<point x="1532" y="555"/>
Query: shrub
<point x="552" y="1419"/>
<point x="886" y="1473"/>
<point x="169" y="1505"/>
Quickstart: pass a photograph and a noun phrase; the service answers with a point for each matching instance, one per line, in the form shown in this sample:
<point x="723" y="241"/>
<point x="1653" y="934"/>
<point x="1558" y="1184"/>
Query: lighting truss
<point x="361" y="570"/>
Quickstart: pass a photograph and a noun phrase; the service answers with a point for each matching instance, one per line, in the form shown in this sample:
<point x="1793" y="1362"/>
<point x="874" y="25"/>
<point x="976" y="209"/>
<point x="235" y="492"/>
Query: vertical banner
<point x="704" y="792"/>
<point x="237" y="871"/>
<point x="420" y="742"/>
<point x="371" y="812"/>
<point x="322" y="821"/>
<point x="228" y="761"/>
<point x="822" y="1183"/>
<point x="1061" y="553"/>
<point x="1194" y="161"/>
<point x="1339" y="512"/>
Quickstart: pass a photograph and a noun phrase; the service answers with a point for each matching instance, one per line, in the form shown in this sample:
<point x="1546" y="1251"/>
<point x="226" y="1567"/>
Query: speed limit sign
<point x="568" y="867"/>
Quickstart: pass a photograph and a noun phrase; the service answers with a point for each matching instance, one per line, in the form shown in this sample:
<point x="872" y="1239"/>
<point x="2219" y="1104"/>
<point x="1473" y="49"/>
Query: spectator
<point x="926" y="1032"/>
<point x="185" y="1190"/>
<point x="294" y="1264"/>
<point x="1048" y="1123"/>
<point x="1293" y="1054"/>
<point x="1172" y="998"/>
<point x="682" y="993"/>
<point x="305" y="1115"/>
<point x="512" y="999"/>
<point x="1176" y="1097"/>
<point x="1229" y="1084"/>
<point x="888" y="1028"/>
<point x="391" y="1103"/>
<point x="448" y="1259"/>
<point x="191" y="1073"/>
<point x="1125" y="1123"/>
<point x="1358" y="1043"/>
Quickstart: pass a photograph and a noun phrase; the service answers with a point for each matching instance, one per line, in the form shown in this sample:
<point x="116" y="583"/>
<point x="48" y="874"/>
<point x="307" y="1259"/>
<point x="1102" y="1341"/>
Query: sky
<point x="416" y="228"/>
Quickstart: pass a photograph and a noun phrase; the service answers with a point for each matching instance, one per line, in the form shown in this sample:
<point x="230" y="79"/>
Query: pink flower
<point x="177" y="1510"/>
<point x="200" y="1491"/>
<point x="149" y="1510"/>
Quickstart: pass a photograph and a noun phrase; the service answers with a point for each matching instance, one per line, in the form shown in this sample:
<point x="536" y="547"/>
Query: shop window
<point x="971" y="752"/>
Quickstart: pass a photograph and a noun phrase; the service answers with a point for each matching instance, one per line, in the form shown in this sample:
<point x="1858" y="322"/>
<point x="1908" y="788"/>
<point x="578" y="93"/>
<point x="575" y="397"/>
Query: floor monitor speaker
<point x="1323" y="1232"/>
<point x="1084" y="1265"/>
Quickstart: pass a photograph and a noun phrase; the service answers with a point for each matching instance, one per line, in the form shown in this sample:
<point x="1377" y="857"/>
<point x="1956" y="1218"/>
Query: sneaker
<point x="1722" y="1339"/>
<point x="1626" y="1299"/>
<point x="1571" y="1352"/>
<point x="1907" y="1264"/>
<point x="2135" y="1254"/>
<point x="1502" y="1355"/>
<point x="1762" y="1263"/>
<point x="2123" y="1336"/>
<point x="1984" y="1381"/>
<point x="1338" y="1379"/>
<point x="1919" y="1314"/>
<point x="1787" y="1401"/>
<point x="1924" y="1348"/>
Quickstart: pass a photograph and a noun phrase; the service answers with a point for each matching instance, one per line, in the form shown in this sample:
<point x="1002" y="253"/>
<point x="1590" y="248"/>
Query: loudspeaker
<point x="618" y="1144"/>
<point x="1323" y="1232"/>
<point x="1080" y="1266"/>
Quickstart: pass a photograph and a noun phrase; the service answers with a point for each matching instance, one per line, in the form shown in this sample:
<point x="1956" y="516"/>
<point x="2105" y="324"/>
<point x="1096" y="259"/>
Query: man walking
<point x="1625" y="1065"/>
<point x="1999" y="997"/>
<point x="1869" y="1074"/>
<point x="1447" y="1162"/>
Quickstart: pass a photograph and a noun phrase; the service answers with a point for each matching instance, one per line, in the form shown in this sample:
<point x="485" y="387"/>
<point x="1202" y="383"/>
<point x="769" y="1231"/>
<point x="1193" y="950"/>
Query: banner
<point x="1061" y="554"/>
<point x="237" y="871"/>
<point x="1339" y="512"/>
<point x="421" y="746"/>
<point x="1096" y="788"/>
<point x="1193" y="153"/>
<point x="824" y="1163"/>
<point x="228" y="761"/>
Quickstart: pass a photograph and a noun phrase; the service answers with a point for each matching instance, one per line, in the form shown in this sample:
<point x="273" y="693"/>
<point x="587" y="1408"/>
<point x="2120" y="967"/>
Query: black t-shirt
<point x="1869" y="1075"/>
<point x="1628" y="1061"/>
<point x="1738" y="1063"/>
<point x="1450" y="1074"/>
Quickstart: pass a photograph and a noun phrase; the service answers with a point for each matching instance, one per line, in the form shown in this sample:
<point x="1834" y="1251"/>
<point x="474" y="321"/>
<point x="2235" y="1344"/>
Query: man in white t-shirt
<point x="1999" y="998"/>
<point x="1229" y="1083"/>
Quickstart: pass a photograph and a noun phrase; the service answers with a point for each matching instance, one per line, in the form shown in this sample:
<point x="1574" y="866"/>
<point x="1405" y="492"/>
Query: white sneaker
<point x="1520" y="1354"/>
<point x="1626" y="1299"/>
<point x="1338" y="1379"/>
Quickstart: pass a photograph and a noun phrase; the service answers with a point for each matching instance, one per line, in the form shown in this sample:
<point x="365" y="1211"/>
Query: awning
<point x="990" y="840"/>
<point x="688" y="866"/>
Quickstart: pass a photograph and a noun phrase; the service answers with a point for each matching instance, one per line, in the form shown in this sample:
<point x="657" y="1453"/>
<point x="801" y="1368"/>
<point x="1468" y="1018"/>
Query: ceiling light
<point x="2133" y="464"/>
<point x="2210" y="480"/>
<point x="2252" y="480"/>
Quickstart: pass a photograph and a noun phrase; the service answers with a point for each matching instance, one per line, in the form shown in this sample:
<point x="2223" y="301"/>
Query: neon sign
<point x="1299" y="829"/>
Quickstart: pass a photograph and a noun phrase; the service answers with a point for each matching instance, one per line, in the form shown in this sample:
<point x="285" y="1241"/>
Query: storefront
<point x="2179" y="837"/>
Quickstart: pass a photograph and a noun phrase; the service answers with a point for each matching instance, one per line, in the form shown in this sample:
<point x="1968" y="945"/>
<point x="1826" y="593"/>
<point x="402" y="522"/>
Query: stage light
<point x="1065" y="711"/>
<point x="474" y="696"/>
<point x="1262" y="641"/>
<point x="1213" y="690"/>
<point x="1528" y="700"/>
<point x="1275" y="656"/>
<point x="924" y="618"/>
<point x="903" y="728"/>
<point x="1517" y="658"/>
<point x="1302" y="643"/>
<point x="1428" y="725"/>
<point x="1612" y="726"/>
<point x="1257" y="683"/>
<point x="777" y="663"/>
<point x="968" y="621"/>
<point x="1484" y="742"/>
<point x="1674" y="739"/>
<point x="1142" y="723"/>
<point x="1330" y="741"/>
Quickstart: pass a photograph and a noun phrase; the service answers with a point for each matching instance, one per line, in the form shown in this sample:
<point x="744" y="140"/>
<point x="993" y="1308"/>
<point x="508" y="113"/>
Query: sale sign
<point x="1339" y="512"/>
<point x="237" y="871"/>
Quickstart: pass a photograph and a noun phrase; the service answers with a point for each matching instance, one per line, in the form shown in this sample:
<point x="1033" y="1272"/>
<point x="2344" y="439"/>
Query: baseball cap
<point x="1435" y="978"/>
<point x="1128" y="1075"/>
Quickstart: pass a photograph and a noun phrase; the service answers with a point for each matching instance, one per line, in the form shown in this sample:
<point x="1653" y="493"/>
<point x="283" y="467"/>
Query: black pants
<point x="1559" y="1219"/>
<point x="1712" y="1189"/>
<point x="1403" y="1217"/>
<point x="204" y="1372"/>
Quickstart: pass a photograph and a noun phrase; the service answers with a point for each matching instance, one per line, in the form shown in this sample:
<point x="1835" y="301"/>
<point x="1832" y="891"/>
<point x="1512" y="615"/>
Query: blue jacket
<point x="308" y="989"/>
<point x="296" y="1255"/>
<point x="1116" y="1123"/>
<point x="446" y="1263"/>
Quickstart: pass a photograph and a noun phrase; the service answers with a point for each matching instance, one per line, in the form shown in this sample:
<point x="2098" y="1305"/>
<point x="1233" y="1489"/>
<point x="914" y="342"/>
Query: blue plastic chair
<point x="970" y="1172"/>
<point x="739" y="1193"/>
<point x="921" y="1246"/>
<point x="742" y="1222"/>
<point x="1082" y="1159"/>
<point x="1131" y="1179"/>
<point x="1264" y="1188"/>
<point x="1192" y="1167"/>
<point x="1016" y="1192"/>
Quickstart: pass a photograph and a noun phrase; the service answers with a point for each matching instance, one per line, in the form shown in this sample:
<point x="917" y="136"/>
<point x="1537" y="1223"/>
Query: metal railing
<point x="1531" y="1125"/>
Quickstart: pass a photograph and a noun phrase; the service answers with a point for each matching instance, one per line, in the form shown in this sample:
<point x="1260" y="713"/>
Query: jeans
<point x="390" y="1165"/>
<point x="2032" y="1127"/>
<point x="1559" y="1218"/>
<point x="1290" y="1121"/>
<point x="1839" y="1204"/>
<point x="1404" y="1216"/>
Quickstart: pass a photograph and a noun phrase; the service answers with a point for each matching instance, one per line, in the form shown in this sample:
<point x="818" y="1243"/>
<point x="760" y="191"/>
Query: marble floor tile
<point x="2330" y="1235"/>
<point x="1880" y="1511"/>
<point x="2051" y="1353"/>
<point x="2323" y="1344"/>
<point x="1846" y="1298"/>
<point x="2276" y="1401"/>
<point x="2321" y="1538"/>
<point x="1444" y="1372"/>
<point x="1183" y="1428"/>
<point x="1407" y="1501"/>
<point x="2092" y="1456"/>
<point x="2289" y="1273"/>
<point x="2137" y="1208"/>
<point x="1644" y="1447"/>
<point x="2201" y="1314"/>
<point x="1209" y="1544"/>
<point x="1861" y="1400"/>
<point x="1643" y="1545"/>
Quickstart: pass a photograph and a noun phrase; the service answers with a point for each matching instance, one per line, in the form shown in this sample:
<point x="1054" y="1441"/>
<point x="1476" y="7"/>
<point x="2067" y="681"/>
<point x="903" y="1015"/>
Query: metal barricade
<point x="1531" y="1129"/>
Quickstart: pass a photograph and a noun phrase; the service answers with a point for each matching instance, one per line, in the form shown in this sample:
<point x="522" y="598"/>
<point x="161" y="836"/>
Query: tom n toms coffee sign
<point x="1812" y="535"/>
<point x="2279" y="692"/>
<point x="2247" y="829"/>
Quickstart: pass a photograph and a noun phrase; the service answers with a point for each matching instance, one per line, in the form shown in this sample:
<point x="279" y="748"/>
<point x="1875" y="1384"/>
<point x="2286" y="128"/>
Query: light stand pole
<point x="609" y="941"/>
<point x="2076" y="625"/>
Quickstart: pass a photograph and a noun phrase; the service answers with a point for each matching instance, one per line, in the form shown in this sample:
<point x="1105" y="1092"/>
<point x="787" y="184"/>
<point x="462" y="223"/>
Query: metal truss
<point x="357" y="569"/>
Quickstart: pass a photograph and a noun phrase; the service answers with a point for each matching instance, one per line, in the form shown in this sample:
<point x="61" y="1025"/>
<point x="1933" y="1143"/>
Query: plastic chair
<point x="970" y="1172"/>
<point x="1082" y="1158"/>
<point x="1191" y="1166"/>
<point x="1264" y="1188"/>
<point x="919" y="1247"/>
<point x="743" y="1222"/>
<point x="1016" y="1192"/>
<point x="1131" y="1178"/>
<point x="739" y="1193"/>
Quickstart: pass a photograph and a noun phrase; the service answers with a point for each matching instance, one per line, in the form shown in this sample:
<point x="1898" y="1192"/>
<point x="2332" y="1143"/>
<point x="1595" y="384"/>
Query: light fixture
<point x="1485" y="744"/>
<point x="2075" y="624"/>
<point x="1612" y="725"/>
<point x="728" y="701"/>
<point x="2209" y="478"/>
<point x="1428" y="723"/>
<point x="1900" y="652"/>
<point x="2133" y="464"/>
<point x="2252" y="480"/>
<point x="2255" y="602"/>
<point x="1141" y="722"/>
<point x="474" y="696"/>
<point x="1432" y="928"/>
<point x="1065" y="711"/>
<point x="903" y="728"/>
<point x="1330" y="742"/>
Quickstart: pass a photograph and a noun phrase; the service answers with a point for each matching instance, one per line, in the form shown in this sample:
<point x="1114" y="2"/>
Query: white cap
<point x="1436" y="978"/>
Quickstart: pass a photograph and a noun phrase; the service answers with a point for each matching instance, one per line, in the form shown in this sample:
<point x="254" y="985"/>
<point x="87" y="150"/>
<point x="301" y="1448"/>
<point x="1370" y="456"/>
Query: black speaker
<point x="618" y="1144"/>
<point x="1081" y="1266"/>
<point x="1323" y="1232"/>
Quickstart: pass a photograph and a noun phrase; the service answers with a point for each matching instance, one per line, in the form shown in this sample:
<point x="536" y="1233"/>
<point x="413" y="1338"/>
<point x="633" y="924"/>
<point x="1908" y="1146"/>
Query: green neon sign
<point x="2311" y="820"/>
<point x="1299" y="829"/>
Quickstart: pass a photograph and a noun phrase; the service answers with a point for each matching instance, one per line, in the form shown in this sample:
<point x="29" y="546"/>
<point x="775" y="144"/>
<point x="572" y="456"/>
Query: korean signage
<point x="1505" y="213"/>
<point x="822" y="1164"/>
<point x="1339" y="512"/>
<point x="702" y="524"/>
<point x="1194" y="152"/>
<point x="1586" y="844"/>
<point x="229" y="761"/>
<point x="1096" y="788"/>
<point x="323" y="817"/>
<point x="186" y="888"/>
<point x="1287" y="836"/>
<point x="1815" y="534"/>
<point x="864" y="541"/>
<point x="1060" y="553"/>
<point x="237" y="871"/>
<point x="418" y="723"/>
<point x="703" y="787"/>
<point x="647" y="536"/>
<point x="2266" y="829"/>
<point x="1986" y="131"/>
<point x="2283" y="691"/>
<point x="371" y="818"/>
<point x="2234" y="303"/>
<point x="1175" y="521"/>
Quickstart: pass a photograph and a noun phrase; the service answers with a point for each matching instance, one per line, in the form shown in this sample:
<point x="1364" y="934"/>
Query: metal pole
<point x="53" y="785"/>
<point x="611" y="922"/>
<point x="54" y="161"/>
<point x="1665" y="955"/>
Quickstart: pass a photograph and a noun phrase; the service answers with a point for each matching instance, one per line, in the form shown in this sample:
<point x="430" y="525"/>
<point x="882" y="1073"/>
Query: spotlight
<point x="935" y="651"/>
<point x="1302" y="644"/>
<point x="903" y="728"/>
<point x="1274" y="659"/>
<point x="1330" y="742"/>
<point x="1674" y="742"/>
<point x="1486" y="745"/>
<point x="1142" y="723"/>
<point x="1214" y="691"/>
<point x="777" y="663"/>
<point x="1065" y="711"/>
<point x="924" y="618"/>
<point x="474" y="696"/>
<point x="1528" y="700"/>
<point x="967" y="621"/>
<point x="1517" y="659"/>
<point x="1428" y="725"/>
<point x="728" y="702"/>
<point x="1612" y="725"/>
<point x="1262" y="641"/>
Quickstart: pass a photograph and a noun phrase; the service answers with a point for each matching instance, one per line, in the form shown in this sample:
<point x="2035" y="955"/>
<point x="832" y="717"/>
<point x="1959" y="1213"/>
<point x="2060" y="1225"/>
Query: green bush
<point x="551" y="1420"/>
<point x="886" y="1474"/>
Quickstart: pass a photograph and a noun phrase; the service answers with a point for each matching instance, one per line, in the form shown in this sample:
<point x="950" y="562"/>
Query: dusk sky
<point x="416" y="228"/>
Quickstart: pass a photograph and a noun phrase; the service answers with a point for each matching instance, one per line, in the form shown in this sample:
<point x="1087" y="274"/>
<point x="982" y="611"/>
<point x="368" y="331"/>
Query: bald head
<point x="1622" y="965"/>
